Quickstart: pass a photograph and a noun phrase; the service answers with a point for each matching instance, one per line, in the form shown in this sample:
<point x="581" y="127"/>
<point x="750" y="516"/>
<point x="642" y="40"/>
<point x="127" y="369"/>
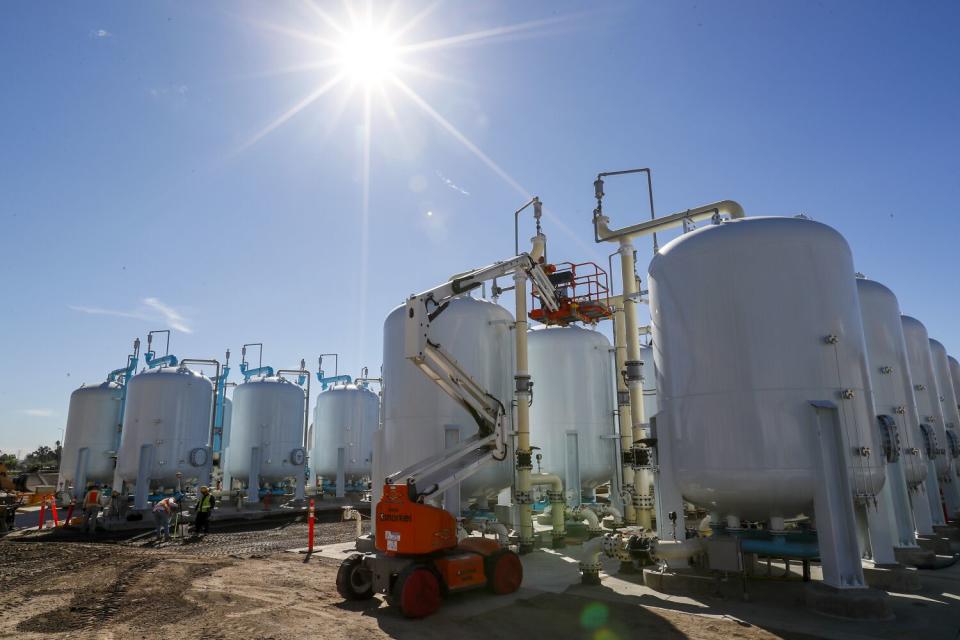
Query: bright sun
<point x="367" y="55"/>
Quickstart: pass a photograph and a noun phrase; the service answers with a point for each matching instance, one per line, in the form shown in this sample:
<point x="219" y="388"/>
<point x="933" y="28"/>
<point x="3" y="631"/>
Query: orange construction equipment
<point x="418" y="558"/>
<point x="580" y="291"/>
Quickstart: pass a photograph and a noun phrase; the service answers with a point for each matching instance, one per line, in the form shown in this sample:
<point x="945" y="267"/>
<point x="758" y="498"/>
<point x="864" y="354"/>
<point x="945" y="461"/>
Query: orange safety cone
<point x="43" y="514"/>
<point x="310" y="519"/>
<point x="53" y="512"/>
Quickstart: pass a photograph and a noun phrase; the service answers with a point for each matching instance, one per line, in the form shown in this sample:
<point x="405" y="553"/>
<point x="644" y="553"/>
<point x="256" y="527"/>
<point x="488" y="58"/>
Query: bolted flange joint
<point x="590" y="573"/>
<point x="555" y="496"/>
<point x="523" y="384"/>
<point x="524" y="460"/>
<point x="633" y="371"/>
<point x="523" y="497"/>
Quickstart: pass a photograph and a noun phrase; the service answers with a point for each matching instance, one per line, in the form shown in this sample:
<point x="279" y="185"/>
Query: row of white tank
<point x="771" y="359"/>
<point x="163" y="441"/>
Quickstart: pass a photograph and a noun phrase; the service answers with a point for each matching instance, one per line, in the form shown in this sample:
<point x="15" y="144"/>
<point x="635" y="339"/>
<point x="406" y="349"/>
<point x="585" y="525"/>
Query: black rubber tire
<point x="354" y="581"/>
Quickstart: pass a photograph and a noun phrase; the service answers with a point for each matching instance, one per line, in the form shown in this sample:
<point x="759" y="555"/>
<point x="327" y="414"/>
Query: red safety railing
<point x="581" y="289"/>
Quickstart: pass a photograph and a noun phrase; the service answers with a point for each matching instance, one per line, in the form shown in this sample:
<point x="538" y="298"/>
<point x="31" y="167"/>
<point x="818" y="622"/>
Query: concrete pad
<point x="850" y="604"/>
<point x="892" y="578"/>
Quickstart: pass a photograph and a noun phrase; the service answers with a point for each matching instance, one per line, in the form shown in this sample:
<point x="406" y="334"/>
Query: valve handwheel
<point x="504" y="572"/>
<point x="417" y="592"/>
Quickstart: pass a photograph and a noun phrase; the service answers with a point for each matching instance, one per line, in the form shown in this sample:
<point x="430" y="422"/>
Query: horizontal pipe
<point x="603" y="233"/>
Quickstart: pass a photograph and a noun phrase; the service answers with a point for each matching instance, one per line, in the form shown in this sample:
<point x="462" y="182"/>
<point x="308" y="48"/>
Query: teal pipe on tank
<point x="326" y="382"/>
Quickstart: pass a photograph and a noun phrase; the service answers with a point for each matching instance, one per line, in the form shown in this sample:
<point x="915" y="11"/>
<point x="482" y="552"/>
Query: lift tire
<point x="504" y="571"/>
<point x="354" y="581"/>
<point x="417" y="591"/>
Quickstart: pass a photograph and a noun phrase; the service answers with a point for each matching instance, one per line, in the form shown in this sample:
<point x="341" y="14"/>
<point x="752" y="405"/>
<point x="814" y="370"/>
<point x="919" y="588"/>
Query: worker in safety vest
<point x="162" y="513"/>
<point x="91" y="508"/>
<point x="205" y="506"/>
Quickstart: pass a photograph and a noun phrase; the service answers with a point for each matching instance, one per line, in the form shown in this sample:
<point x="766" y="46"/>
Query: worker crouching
<point x="162" y="514"/>
<point x="205" y="505"/>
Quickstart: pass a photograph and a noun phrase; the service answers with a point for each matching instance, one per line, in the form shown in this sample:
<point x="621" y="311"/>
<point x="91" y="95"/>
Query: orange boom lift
<point x="417" y="557"/>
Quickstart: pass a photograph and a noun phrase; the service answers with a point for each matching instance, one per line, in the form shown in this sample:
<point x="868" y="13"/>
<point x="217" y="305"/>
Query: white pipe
<point x="558" y="503"/>
<point x="677" y="553"/>
<point x="590" y="561"/>
<point x="705" y="212"/>
<point x="631" y="293"/>
<point x="582" y="512"/>
<point x="608" y="510"/>
<point x="500" y="529"/>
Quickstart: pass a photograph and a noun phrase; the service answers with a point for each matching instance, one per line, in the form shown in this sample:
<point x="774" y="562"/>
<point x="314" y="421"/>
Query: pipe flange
<point x="643" y="502"/>
<point x="633" y="371"/>
<point x="524" y="460"/>
<point x="641" y="457"/>
<point x="556" y="496"/>
<point x="590" y="567"/>
<point x="522" y="497"/>
<point x="523" y="384"/>
<point x="623" y="398"/>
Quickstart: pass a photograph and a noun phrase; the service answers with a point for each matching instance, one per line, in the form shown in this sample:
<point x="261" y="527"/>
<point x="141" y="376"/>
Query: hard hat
<point x="204" y="489"/>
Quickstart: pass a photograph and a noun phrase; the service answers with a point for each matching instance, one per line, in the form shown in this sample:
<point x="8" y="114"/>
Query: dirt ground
<point x="243" y="585"/>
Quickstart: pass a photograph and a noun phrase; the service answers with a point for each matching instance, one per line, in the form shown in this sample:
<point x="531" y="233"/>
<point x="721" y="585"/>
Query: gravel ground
<point x="241" y="584"/>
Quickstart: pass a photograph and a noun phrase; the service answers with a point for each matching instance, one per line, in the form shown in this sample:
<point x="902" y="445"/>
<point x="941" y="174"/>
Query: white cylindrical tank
<point x="167" y="423"/>
<point x="948" y="398"/>
<point x="951" y="424"/>
<point x="742" y="316"/>
<point x="419" y="419"/>
<point x="955" y="375"/>
<point x="571" y="418"/>
<point x="890" y="373"/>
<point x="925" y="388"/>
<point x="345" y="417"/>
<point x="90" y="438"/>
<point x="266" y="430"/>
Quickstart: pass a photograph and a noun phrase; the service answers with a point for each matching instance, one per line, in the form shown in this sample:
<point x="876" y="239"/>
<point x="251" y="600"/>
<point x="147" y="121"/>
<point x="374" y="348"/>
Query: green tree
<point x="9" y="460"/>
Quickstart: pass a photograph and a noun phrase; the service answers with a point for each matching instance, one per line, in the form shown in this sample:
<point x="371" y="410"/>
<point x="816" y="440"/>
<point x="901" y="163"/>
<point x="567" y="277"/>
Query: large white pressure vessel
<point x="890" y="374"/>
<point x="419" y="419"/>
<point x="925" y="390"/>
<point x="752" y="320"/>
<point x="571" y="418"/>
<point x="951" y="423"/>
<point x="344" y="418"/>
<point x="166" y="425"/>
<point x="955" y="376"/>
<point x="266" y="430"/>
<point x="948" y="398"/>
<point x="91" y="436"/>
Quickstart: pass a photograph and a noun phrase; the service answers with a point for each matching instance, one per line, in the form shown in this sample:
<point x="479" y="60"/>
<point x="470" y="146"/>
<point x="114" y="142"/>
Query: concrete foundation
<point x="855" y="604"/>
<point x="900" y="579"/>
<point x="936" y="544"/>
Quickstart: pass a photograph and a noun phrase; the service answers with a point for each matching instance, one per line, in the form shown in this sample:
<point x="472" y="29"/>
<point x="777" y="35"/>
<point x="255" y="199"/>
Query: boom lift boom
<point x="417" y="554"/>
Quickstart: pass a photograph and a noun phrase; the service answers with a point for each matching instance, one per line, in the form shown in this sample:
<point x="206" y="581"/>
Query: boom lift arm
<point x="438" y="473"/>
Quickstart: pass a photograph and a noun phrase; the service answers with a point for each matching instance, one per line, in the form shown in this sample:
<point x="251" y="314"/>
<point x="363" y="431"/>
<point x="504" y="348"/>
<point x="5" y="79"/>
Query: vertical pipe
<point x="623" y="412"/>
<point x="641" y="479"/>
<point x="522" y="397"/>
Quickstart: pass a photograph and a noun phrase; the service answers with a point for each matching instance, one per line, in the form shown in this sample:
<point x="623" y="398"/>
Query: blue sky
<point x="137" y="193"/>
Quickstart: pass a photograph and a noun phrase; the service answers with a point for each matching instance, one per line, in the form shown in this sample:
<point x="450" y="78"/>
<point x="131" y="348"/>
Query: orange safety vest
<point x="92" y="499"/>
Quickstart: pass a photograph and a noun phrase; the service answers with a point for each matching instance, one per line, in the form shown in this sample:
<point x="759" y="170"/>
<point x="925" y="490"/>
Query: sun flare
<point x="367" y="55"/>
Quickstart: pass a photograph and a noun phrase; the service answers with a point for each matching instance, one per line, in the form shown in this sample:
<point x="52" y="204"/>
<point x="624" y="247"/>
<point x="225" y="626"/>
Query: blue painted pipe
<point x="259" y="371"/>
<point x="778" y="546"/>
<point x="165" y="361"/>
<point x="221" y="398"/>
<point x="326" y="382"/>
